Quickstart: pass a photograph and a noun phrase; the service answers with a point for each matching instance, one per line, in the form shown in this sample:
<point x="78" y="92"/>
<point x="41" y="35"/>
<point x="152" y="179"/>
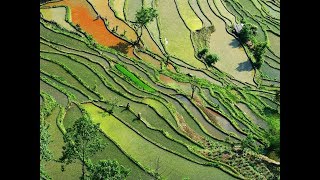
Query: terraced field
<point x="186" y="119"/>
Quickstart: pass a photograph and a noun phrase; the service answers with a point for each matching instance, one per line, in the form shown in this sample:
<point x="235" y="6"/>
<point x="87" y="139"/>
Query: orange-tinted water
<point x="83" y="14"/>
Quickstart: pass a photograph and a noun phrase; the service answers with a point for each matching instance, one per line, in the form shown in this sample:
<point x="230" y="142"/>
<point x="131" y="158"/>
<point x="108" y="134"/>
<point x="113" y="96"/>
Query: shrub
<point x="202" y="53"/>
<point x="211" y="59"/>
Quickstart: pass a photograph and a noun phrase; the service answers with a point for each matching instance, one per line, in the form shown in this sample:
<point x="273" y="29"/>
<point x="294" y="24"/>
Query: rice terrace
<point x="160" y="89"/>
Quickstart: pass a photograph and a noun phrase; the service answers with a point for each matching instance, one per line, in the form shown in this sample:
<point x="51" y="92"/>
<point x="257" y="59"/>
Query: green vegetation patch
<point x="134" y="78"/>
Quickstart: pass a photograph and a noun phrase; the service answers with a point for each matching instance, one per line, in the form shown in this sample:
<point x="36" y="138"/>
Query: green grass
<point x="172" y="166"/>
<point x="134" y="78"/>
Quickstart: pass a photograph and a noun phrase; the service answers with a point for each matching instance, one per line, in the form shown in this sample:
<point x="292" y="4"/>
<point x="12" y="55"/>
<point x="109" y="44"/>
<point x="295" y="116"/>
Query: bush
<point x="202" y="53"/>
<point x="211" y="59"/>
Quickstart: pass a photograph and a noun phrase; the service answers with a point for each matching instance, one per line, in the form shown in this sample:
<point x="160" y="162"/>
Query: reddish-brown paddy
<point x="84" y="15"/>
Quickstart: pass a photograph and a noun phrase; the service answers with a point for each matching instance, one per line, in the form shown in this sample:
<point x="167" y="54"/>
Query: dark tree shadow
<point x="135" y="119"/>
<point x="245" y="66"/>
<point x="235" y="43"/>
<point x="125" y="109"/>
<point x="122" y="47"/>
<point x="269" y="111"/>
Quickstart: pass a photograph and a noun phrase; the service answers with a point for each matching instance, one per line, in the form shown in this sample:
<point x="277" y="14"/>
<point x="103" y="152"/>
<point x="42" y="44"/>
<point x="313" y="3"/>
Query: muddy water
<point x="252" y="116"/>
<point x="102" y="7"/>
<point x="84" y="15"/>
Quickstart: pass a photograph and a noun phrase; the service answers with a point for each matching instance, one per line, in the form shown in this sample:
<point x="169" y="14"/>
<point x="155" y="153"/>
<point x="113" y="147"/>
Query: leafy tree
<point x="143" y="17"/>
<point x="81" y="141"/>
<point x="193" y="86"/>
<point x="258" y="64"/>
<point x="166" y="60"/>
<point x="247" y="33"/>
<point x="259" y="50"/>
<point x="248" y="141"/>
<point x="258" y="53"/>
<point x="108" y="169"/>
<point x="202" y="53"/>
<point x="45" y="153"/>
<point x="274" y="139"/>
<point x="211" y="59"/>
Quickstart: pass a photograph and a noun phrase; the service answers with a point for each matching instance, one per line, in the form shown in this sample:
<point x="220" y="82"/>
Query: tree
<point x="260" y="50"/>
<point x="143" y="17"/>
<point x="211" y="59"/>
<point x="81" y="141"/>
<point x="247" y="33"/>
<point x="45" y="153"/>
<point x="108" y="169"/>
<point x="248" y="141"/>
<point x="193" y="86"/>
<point x="166" y="60"/>
<point x="258" y="53"/>
<point x="202" y="53"/>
